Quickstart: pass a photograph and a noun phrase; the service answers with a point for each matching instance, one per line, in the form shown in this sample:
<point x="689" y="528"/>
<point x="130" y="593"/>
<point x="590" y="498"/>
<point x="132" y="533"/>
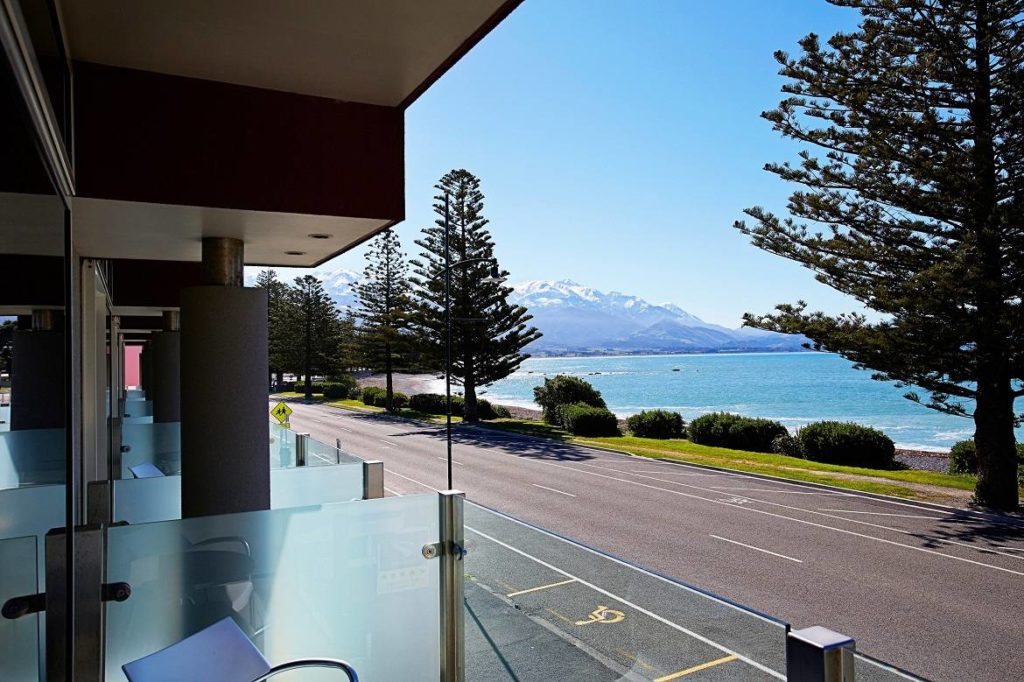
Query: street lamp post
<point x="494" y="276"/>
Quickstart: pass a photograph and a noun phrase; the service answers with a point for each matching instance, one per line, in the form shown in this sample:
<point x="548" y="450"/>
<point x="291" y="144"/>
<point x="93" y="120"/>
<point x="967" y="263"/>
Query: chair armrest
<point x="312" y="663"/>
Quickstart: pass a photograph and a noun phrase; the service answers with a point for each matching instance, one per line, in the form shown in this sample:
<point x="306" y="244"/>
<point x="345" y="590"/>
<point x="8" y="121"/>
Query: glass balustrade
<point x="31" y="457"/>
<point x="343" y="580"/>
<point x="19" y="637"/>
<point x="156" y="444"/>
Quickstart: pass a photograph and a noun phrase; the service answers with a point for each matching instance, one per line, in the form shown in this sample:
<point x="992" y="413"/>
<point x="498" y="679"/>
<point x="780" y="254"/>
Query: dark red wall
<point x="142" y="136"/>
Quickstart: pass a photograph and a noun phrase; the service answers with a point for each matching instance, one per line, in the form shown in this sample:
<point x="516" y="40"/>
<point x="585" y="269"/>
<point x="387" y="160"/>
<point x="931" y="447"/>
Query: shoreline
<point x="429" y="383"/>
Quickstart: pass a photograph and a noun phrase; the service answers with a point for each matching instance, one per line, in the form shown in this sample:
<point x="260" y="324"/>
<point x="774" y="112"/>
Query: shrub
<point x="300" y="387"/>
<point x="963" y="458"/>
<point x="847" y="443"/>
<point x="428" y="403"/>
<point x="339" y="386"/>
<point x="370" y="394"/>
<point x="656" y="424"/>
<point x="787" y="445"/>
<point x="398" y="399"/>
<point x="565" y="390"/>
<point x="733" y="431"/>
<point x="355" y="393"/>
<point x="485" y="410"/>
<point x="580" y="419"/>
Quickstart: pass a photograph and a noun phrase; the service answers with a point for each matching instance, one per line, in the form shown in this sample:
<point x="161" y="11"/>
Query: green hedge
<point x="726" y="430"/>
<point x="398" y="398"/>
<point x="370" y="394"/>
<point x="586" y="420"/>
<point x="656" y="424"/>
<point x="787" y="445"/>
<point x="565" y="390"/>
<point x="847" y="443"/>
<point x="963" y="457"/>
<point x="433" y="403"/>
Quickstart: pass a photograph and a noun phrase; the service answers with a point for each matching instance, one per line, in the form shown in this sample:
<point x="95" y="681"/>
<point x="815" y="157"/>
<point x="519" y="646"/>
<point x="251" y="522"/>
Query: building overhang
<point x="281" y="124"/>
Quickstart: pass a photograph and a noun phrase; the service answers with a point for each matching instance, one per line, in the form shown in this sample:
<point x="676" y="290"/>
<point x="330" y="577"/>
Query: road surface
<point x="937" y="592"/>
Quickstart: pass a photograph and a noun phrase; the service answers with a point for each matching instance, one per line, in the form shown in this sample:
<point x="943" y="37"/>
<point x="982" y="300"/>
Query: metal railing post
<point x="337" y="451"/>
<point x="817" y="654"/>
<point x="373" y="480"/>
<point x="301" y="440"/>
<point x="453" y="629"/>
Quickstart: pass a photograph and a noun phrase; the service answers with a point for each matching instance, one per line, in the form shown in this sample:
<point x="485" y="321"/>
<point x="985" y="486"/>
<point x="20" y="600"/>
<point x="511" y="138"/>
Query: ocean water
<point x="794" y="388"/>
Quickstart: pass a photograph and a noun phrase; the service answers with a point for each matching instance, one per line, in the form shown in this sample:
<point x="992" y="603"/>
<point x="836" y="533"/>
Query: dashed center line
<point x="388" y="442"/>
<point x="758" y="549"/>
<point x="445" y="459"/>
<point x="554" y="490"/>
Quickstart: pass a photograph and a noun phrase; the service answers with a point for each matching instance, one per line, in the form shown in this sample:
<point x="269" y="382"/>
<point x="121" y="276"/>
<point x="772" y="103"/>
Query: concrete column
<point x="224" y="435"/>
<point x="144" y="375"/>
<point x="37" y="369"/>
<point x="165" y="392"/>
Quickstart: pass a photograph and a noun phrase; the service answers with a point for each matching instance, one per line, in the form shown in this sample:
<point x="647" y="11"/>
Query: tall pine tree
<point x="915" y="206"/>
<point x="312" y="319"/>
<point x="385" y="306"/>
<point x="488" y="333"/>
<point x="277" y="332"/>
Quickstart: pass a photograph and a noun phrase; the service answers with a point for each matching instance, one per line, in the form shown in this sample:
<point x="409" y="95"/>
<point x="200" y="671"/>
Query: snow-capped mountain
<point x="579" y="319"/>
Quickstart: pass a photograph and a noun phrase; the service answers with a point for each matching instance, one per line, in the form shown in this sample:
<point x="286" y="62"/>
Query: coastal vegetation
<point x="661" y="424"/>
<point x="733" y="431"/>
<point x="913" y="207"/>
<point x="564" y="389"/>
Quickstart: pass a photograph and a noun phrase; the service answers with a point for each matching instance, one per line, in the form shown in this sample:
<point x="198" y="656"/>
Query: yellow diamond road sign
<point x="281" y="412"/>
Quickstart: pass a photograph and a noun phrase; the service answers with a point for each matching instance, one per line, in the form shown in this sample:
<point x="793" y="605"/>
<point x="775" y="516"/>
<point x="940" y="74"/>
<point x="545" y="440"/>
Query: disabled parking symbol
<point x="603" y="614"/>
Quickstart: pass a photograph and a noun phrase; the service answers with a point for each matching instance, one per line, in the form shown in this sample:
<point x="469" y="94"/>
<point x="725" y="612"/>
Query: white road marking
<point x="770" y="490"/>
<point x="395" y="473"/>
<point x="393" y="492"/>
<point x="343" y="428"/>
<point x="541" y="587"/>
<point x="781" y="556"/>
<point x="788" y="518"/>
<point x="903" y="516"/>
<point x="445" y="459"/>
<point x="635" y="607"/>
<point x="560" y="492"/>
<point x="388" y="442"/>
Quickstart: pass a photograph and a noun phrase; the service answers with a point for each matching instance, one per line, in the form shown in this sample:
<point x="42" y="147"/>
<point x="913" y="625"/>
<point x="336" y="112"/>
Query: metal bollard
<point x="301" y="440"/>
<point x="452" y="545"/>
<point x="373" y="480"/>
<point x="817" y="654"/>
<point x="337" y="451"/>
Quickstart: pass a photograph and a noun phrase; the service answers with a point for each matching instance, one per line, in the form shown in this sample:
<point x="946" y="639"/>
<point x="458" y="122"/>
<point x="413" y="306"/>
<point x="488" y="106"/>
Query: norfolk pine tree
<point x="385" y="306"/>
<point x="488" y="333"/>
<point x="312" y="320"/>
<point x="916" y="208"/>
<point x="277" y="333"/>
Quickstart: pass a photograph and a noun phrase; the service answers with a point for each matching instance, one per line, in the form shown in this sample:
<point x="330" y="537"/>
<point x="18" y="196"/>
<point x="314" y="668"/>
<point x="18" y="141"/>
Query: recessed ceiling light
<point x="320" y="235"/>
<point x="295" y="253"/>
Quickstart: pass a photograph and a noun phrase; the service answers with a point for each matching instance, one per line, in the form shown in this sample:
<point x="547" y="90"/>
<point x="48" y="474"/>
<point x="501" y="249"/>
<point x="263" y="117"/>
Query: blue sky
<point x="617" y="141"/>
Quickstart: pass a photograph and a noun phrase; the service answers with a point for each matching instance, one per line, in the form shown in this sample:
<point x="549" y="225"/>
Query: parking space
<point x="639" y="626"/>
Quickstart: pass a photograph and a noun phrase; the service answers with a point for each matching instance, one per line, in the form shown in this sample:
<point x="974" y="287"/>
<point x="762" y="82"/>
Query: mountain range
<point x="581" y="320"/>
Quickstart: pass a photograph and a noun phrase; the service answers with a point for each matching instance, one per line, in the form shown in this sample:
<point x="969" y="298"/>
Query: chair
<point x="146" y="470"/>
<point x="220" y="652"/>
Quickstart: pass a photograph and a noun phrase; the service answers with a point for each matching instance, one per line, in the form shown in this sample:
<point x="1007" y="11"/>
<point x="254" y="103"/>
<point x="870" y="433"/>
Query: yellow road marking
<point x="603" y="614"/>
<point x="696" y="668"/>
<point x="542" y="587"/>
<point x="559" y="616"/>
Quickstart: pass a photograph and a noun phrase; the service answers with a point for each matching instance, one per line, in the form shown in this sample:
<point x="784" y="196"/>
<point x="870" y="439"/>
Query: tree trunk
<point x="389" y="390"/>
<point x="469" y="389"/>
<point x="279" y="379"/>
<point x="996" y="445"/>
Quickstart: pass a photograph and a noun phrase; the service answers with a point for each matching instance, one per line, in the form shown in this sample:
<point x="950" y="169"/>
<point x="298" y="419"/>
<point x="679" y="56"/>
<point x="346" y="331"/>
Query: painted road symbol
<point x="603" y="614"/>
<point x="281" y="412"/>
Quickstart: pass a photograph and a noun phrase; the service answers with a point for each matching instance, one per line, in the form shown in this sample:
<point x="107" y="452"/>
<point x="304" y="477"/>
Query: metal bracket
<point x="116" y="591"/>
<point x="436" y="549"/>
<point x="16" y="607"/>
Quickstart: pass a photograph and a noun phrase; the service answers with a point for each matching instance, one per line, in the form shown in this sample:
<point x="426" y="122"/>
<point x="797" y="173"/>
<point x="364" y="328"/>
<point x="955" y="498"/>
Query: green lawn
<point x="359" y="406"/>
<point x="886" y="482"/>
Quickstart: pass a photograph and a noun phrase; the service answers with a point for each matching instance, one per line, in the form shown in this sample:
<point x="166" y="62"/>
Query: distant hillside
<point x="580" y="320"/>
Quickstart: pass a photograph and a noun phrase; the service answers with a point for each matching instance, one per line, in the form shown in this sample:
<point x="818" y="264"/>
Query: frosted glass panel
<point x="315" y="485"/>
<point x="146" y="500"/>
<point x="31" y="457"/>
<point x="157" y="444"/>
<point x="19" y="638"/>
<point x="282" y="447"/>
<point x="344" y="580"/>
<point x="31" y="511"/>
<point x="138" y="408"/>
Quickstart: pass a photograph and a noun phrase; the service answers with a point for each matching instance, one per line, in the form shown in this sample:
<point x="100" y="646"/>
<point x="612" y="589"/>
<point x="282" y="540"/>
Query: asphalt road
<point x="937" y="592"/>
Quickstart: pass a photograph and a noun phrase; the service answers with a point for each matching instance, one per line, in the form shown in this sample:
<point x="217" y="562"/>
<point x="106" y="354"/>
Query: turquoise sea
<point x="794" y="388"/>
